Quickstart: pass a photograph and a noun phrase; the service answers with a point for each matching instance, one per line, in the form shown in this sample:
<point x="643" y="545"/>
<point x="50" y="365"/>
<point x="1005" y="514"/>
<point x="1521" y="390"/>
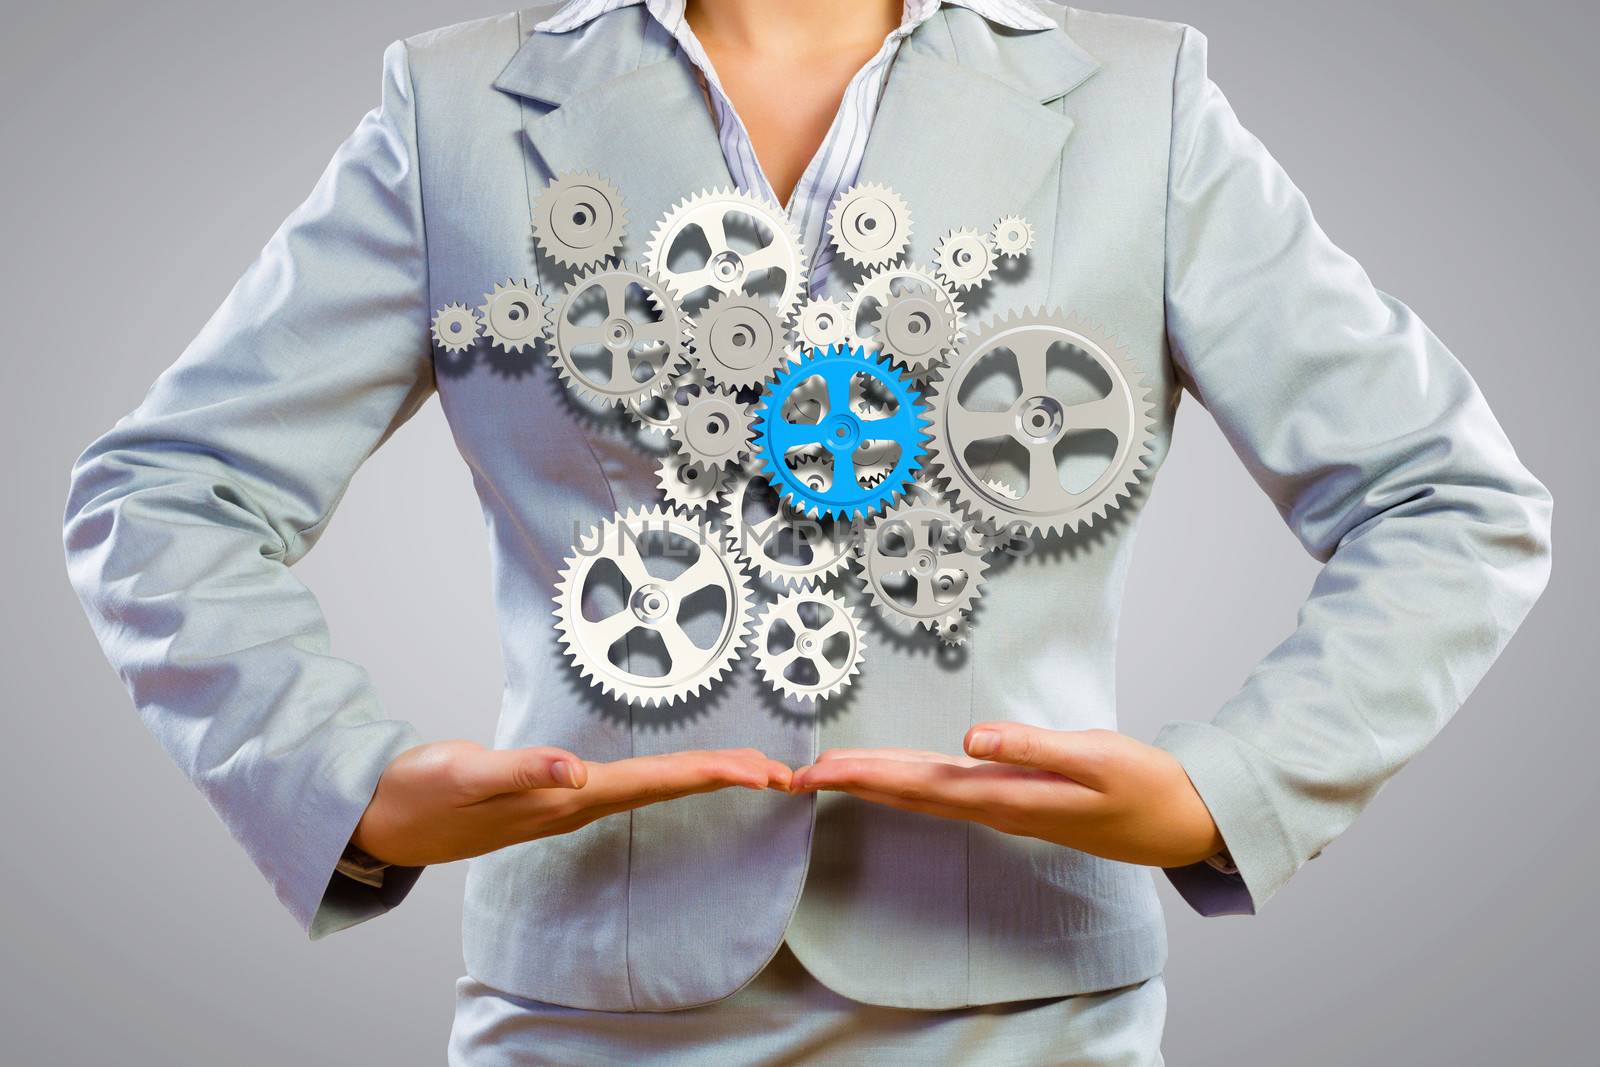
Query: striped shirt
<point x="837" y="161"/>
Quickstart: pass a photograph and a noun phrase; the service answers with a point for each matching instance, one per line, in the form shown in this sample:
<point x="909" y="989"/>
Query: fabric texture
<point x="785" y="1016"/>
<point x="1155" y="211"/>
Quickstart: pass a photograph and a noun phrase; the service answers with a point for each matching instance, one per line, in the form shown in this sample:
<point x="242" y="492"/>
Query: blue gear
<point x="841" y="431"/>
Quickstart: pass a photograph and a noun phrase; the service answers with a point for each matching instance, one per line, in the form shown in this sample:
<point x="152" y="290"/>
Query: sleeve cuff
<point x="1242" y="808"/>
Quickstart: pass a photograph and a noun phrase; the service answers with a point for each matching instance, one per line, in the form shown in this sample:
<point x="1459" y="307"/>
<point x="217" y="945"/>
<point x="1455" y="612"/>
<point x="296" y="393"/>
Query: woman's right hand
<point x="450" y="800"/>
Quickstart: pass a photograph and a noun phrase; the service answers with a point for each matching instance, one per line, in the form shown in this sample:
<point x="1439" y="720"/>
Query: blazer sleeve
<point x="184" y="518"/>
<point x="1382" y="456"/>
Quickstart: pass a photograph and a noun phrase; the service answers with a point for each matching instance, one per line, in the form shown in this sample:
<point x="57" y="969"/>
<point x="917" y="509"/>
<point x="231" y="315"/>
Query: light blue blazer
<point x="1157" y="213"/>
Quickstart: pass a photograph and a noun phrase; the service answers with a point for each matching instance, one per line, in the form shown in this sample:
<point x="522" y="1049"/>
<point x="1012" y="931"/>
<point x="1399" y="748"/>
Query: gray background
<point x="150" y="149"/>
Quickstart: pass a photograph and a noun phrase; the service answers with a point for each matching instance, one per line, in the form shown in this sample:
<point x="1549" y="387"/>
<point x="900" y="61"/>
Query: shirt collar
<point x="1013" y="14"/>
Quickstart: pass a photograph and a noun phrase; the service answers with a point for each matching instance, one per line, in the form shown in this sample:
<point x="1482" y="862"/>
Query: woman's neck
<point x="790" y="27"/>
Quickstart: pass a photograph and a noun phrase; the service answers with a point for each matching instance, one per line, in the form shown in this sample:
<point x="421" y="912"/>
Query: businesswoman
<point x="954" y="867"/>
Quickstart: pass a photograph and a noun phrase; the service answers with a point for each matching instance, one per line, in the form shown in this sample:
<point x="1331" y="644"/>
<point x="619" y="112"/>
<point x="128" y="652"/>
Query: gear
<point x="953" y="632"/>
<point x="870" y="225"/>
<point x="738" y="340"/>
<point x="455" y="327"/>
<point x="659" y="411"/>
<point x="907" y="314"/>
<point x="579" y="220"/>
<point x="596" y="635"/>
<point x="1037" y="417"/>
<point x="821" y="323"/>
<point x="690" y="487"/>
<point x="714" y="429"/>
<point x="809" y="645"/>
<point x="515" y="315"/>
<point x="783" y="546"/>
<point x="699" y="228"/>
<point x="636" y="348"/>
<point x="921" y="563"/>
<point x="1012" y="236"/>
<point x="964" y="258"/>
<point x="841" y="431"/>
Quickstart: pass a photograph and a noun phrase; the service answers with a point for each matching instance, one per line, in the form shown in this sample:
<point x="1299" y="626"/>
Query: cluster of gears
<point x="803" y="435"/>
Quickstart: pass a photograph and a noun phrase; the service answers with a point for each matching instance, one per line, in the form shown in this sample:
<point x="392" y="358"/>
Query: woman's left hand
<point x="1096" y="791"/>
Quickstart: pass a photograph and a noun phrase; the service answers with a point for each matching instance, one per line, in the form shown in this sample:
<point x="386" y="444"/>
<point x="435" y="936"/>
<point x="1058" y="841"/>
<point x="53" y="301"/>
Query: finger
<point x="914" y="755"/>
<point x="490" y="772"/>
<point x="650" y="779"/>
<point x="1078" y="754"/>
<point x="939" y="783"/>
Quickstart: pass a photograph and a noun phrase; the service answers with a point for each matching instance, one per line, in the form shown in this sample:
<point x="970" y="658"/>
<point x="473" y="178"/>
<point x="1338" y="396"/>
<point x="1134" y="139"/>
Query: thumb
<point x="493" y="771"/>
<point x="1078" y="754"/>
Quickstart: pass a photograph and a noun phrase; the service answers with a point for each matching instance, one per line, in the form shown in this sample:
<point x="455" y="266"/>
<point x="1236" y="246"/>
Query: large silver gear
<point x="737" y="341"/>
<point x="1012" y="236"/>
<point x="691" y="487"/>
<point x="454" y="328"/>
<point x="870" y="225"/>
<point x="1037" y="420"/>
<point x="809" y="645"/>
<point x="907" y="313"/>
<point x="642" y="352"/>
<point x="782" y="545"/>
<point x="714" y="428"/>
<point x="652" y="604"/>
<point x="515" y="315"/>
<point x="820" y="323"/>
<point x="579" y="220"/>
<point x="964" y="258"/>
<point x="921" y="563"/>
<point x="728" y="265"/>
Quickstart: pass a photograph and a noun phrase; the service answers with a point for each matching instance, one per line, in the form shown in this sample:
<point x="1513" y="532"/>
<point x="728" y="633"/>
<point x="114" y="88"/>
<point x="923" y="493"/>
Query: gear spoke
<point x="1033" y="366"/>
<point x="1108" y="413"/>
<point x="1044" y="475"/>
<point x="630" y="562"/>
<point x="703" y="573"/>
<point x="988" y="425"/>
<point x="613" y="628"/>
<point x="788" y="435"/>
<point x="680" y="649"/>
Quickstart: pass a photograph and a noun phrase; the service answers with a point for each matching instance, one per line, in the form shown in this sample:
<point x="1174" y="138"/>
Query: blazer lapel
<point x="613" y="97"/>
<point x="969" y="127"/>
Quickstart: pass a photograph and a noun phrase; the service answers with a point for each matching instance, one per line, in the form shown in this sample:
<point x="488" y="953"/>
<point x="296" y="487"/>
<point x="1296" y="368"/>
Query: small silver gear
<point x="591" y="630"/>
<point x="1012" y="236"/>
<point x="782" y="545"/>
<point x="691" y="487"/>
<point x="659" y="411"/>
<point x="809" y="645"/>
<point x="964" y="258"/>
<point x="515" y="315"/>
<point x="638" y="346"/>
<point x="908" y="314"/>
<point x="953" y="632"/>
<point x="737" y="341"/>
<point x="579" y="220"/>
<point x="714" y="429"/>
<point x="698" y="227"/>
<point x="1037" y="416"/>
<point x="870" y="225"/>
<point x="820" y="323"/>
<point x="921" y="563"/>
<point x="455" y="327"/>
